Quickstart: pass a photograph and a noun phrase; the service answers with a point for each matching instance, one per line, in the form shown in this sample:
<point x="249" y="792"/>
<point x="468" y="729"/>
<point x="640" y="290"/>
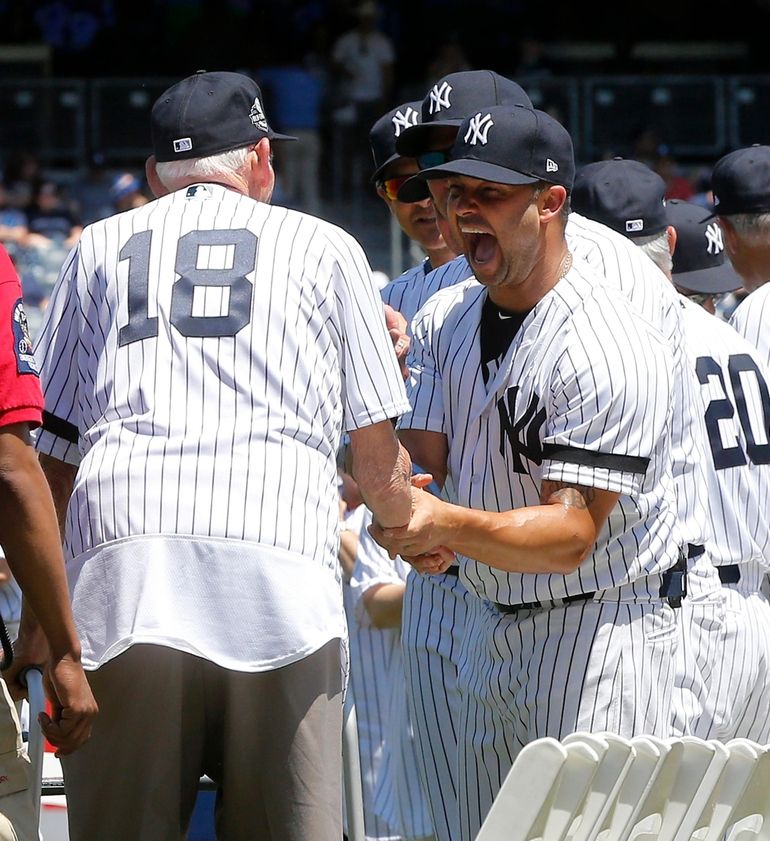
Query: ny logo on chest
<point x="523" y="433"/>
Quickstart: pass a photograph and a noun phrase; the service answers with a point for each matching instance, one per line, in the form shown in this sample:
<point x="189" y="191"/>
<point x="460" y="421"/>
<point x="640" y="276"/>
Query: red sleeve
<point x="21" y="400"/>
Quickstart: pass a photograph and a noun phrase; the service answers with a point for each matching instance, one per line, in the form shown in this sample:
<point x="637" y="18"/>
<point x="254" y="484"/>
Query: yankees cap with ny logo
<point x="385" y="133"/>
<point x="510" y="145"/>
<point x="699" y="261"/>
<point x="453" y="98"/>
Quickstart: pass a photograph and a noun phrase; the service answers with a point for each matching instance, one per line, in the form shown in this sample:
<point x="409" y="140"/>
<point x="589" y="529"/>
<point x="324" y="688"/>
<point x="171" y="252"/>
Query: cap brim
<point x="711" y="281"/>
<point x="414" y="189"/>
<point x="273" y="135"/>
<point x="415" y="140"/>
<point x="482" y="170"/>
<point x="383" y="166"/>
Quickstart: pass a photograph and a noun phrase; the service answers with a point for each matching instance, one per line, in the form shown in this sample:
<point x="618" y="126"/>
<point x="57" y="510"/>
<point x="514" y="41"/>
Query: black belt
<point x="694" y="551"/>
<point x="515" y="608"/>
<point x="673" y="585"/>
<point x="729" y="574"/>
<point x="453" y="570"/>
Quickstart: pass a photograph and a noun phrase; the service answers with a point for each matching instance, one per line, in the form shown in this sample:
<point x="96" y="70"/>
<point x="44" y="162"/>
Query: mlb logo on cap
<point x="184" y="144"/>
<point x="624" y="195"/>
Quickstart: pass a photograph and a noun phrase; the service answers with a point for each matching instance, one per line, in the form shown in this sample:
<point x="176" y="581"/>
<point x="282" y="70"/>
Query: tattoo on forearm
<point x="576" y="496"/>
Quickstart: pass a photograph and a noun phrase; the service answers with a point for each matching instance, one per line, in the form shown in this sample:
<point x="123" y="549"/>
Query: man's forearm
<point x="32" y="543"/>
<point x="382" y="468"/>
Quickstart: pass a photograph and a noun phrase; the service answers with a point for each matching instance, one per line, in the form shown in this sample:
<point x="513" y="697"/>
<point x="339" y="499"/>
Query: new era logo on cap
<point x="634" y="226"/>
<point x="183" y="144"/>
<point x="551" y="166"/>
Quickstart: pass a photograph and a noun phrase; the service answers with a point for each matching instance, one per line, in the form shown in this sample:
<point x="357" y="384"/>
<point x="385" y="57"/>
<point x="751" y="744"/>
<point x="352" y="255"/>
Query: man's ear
<point x="671" y="235"/>
<point x="552" y="199"/>
<point x="262" y="175"/>
<point x="151" y="173"/>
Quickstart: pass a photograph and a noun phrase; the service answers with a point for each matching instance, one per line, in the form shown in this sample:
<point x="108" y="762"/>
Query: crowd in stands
<point x="41" y="217"/>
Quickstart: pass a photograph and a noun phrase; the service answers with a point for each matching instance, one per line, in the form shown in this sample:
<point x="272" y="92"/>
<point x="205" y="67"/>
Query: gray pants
<point x="270" y="740"/>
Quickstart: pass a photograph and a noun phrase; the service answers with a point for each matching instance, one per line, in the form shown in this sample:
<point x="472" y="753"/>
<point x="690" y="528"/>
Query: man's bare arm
<point x="382" y="468"/>
<point x="553" y="537"/>
<point x="30" y="536"/>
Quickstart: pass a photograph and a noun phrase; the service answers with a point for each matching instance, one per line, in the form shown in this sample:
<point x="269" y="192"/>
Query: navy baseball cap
<point x="740" y="182"/>
<point x="510" y="145"/>
<point x="624" y="195"/>
<point x="455" y="97"/>
<point x="209" y="113"/>
<point x="386" y="131"/>
<point x="699" y="262"/>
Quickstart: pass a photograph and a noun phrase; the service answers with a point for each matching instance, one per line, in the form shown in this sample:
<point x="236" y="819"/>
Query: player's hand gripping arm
<point x="32" y="543"/>
<point x="552" y="537"/>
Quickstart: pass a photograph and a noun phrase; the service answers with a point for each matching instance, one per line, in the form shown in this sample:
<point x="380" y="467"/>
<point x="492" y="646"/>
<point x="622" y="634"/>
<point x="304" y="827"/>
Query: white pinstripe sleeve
<point x="56" y="354"/>
<point x="751" y="320"/>
<point x="372" y="568"/>
<point x="373" y="386"/>
<point x="424" y="385"/>
<point x="610" y="403"/>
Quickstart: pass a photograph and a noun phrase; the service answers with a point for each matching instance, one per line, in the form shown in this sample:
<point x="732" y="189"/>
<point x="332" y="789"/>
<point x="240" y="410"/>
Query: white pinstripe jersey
<point x="200" y="358"/>
<point x="624" y="267"/>
<point x="398" y="797"/>
<point x="583" y="395"/>
<point x="734" y="386"/>
<point x="371" y="652"/>
<point x="752" y="320"/>
<point x="406" y="292"/>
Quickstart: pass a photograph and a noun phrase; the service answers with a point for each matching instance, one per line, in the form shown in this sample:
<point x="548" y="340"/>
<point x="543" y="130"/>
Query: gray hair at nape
<point x="751" y="227"/>
<point x="231" y="162"/>
<point x="656" y="248"/>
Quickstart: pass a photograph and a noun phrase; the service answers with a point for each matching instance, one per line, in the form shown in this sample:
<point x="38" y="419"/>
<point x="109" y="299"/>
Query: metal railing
<point x="68" y="120"/>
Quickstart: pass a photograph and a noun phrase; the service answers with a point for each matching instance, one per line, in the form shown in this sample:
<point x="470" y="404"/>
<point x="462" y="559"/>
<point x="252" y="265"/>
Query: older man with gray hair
<point x="740" y="183"/>
<point x="200" y="359"/>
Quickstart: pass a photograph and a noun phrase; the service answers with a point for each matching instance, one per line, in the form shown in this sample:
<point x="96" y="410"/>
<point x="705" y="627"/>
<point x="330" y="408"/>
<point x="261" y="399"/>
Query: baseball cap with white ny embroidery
<point x="510" y="145"/>
<point x="209" y="113"/>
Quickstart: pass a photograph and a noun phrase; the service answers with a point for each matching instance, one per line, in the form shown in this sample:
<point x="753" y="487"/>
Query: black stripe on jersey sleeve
<point x="60" y="428"/>
<point x="609" y="461"/>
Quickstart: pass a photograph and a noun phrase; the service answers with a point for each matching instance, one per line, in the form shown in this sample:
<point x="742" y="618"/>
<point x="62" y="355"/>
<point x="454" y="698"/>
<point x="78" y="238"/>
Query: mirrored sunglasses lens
<point x="392" y="186"/>
<point x="429" y="159"/>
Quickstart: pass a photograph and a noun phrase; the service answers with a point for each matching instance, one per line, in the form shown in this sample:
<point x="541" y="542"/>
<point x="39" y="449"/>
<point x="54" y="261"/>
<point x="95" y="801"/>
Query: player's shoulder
<point x="412" y="275"/>
<point x="595" y="307"/>
<point x="711" y="331"/>
<point x="752" y="306"/>
<point x="452" y="300"/>
<point x="449" y="274"/>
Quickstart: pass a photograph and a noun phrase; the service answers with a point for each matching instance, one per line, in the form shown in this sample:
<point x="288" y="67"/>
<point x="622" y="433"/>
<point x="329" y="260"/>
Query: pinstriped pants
<point x="587" y="666"/>
<point x="433" y="628"/>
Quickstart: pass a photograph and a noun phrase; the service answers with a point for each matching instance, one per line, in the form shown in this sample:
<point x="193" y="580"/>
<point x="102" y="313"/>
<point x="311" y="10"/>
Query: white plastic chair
<point x="712" y="824"/>
<point x="526" y="791"/>
<point x="648" y="758"/>
<point x="615" y="758"/>
<point x="750" y="819"/>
